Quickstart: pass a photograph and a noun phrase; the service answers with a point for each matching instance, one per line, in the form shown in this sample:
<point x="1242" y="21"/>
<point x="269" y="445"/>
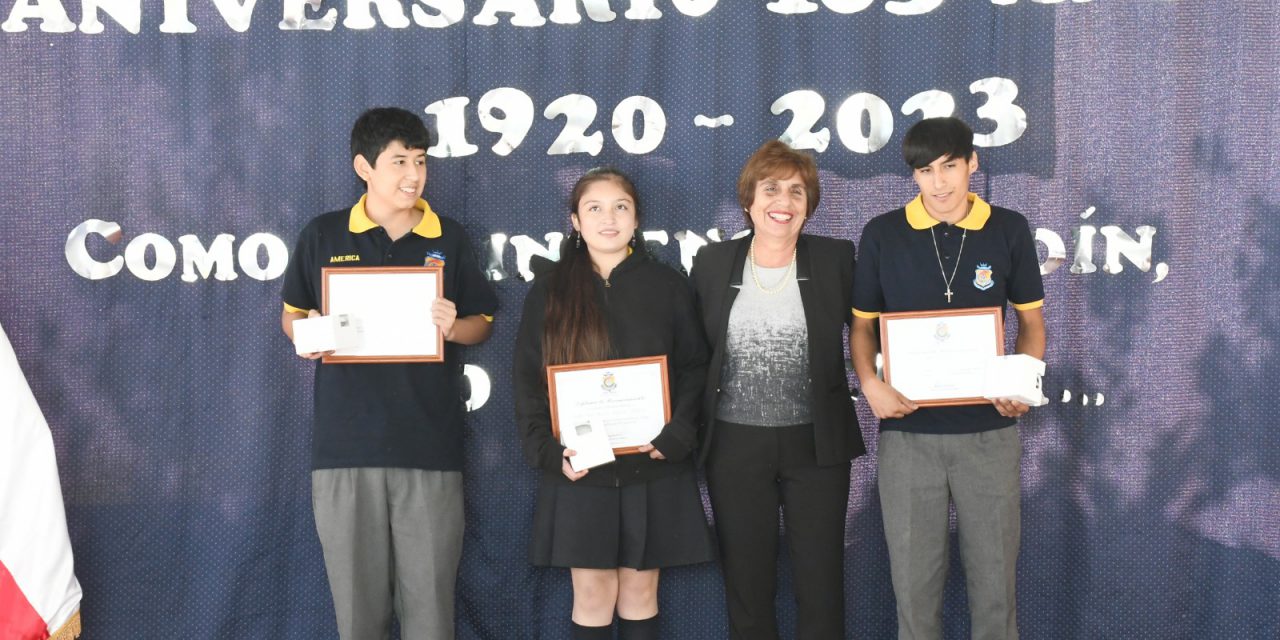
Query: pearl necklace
<point x="786" y="277"/>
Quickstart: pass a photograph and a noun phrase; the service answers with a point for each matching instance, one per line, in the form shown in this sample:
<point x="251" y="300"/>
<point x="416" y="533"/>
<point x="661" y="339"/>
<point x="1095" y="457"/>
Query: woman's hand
<point x="567" y="469"/>
<point x="652" y="451"/>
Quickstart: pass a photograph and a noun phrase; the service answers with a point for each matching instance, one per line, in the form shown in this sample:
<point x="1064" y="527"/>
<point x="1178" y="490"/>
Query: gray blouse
<point x="765" y="379"/>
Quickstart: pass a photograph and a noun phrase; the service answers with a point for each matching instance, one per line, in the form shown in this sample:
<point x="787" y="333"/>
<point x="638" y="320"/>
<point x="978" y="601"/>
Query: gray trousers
<point x="392" y="540"/>
<point x="919" y="475"/>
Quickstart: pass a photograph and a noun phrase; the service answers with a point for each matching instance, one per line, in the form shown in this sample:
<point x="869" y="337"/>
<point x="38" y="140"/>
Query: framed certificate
<point x="629" y="397"/>
<point x="939" y="358"/>
<point x="393" y="307"/>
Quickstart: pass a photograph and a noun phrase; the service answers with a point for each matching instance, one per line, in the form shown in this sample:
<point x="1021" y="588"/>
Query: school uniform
<point x="387" y="438"/>
<point x="636" y="512"/>
<point x="968" y="455"/>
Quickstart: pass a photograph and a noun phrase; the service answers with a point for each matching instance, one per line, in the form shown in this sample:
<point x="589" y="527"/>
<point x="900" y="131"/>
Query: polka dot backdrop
<point x="181" y="418"/>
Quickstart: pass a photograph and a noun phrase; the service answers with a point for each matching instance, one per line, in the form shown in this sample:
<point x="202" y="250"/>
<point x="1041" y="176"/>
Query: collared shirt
<point x="989" y="258"/>
<point x="395" y="414"/>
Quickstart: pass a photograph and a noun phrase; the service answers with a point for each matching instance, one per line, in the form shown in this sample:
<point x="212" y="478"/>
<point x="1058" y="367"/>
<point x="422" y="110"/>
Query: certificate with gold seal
<point x="939" y="358"/>
<point x="629" y="397"/>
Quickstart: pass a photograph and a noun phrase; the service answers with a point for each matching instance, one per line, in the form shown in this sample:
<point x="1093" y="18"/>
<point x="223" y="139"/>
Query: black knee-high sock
<point x="646" y="629"/>
<point x="593" y="633"/>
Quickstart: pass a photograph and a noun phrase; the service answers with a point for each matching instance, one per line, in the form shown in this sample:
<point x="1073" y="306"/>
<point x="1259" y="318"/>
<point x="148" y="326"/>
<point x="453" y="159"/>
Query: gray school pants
<point x="919" y="475"/>
<point x="392" y="540"/>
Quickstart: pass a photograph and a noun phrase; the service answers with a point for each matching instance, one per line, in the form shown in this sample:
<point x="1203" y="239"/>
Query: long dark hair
<point x="575" y="328"/>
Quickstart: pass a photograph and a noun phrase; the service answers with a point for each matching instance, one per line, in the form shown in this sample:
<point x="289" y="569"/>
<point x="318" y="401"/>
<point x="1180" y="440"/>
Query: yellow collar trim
<point x="428" y="227"/>
<point x="919" y="218"/>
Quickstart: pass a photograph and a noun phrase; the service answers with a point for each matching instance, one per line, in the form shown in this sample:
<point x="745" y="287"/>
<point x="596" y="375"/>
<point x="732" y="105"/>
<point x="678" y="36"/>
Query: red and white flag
<point x="39" y="593"/>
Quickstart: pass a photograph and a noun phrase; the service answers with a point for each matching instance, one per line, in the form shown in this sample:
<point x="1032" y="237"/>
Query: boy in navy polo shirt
<point x="947" y="249"/>
<point x="386" y="476"/>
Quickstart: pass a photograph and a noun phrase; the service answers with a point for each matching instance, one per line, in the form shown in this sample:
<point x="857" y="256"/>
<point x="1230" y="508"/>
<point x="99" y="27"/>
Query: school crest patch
<point x="982" y="277"/>
<point x="433" y="259"/>
<point x="608" y="383"/>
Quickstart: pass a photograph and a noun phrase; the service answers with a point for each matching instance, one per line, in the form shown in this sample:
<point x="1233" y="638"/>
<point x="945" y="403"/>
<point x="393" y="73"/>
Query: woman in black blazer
<point x="778" y="427"/>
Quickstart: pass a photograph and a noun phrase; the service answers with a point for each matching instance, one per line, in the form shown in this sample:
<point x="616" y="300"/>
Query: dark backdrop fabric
<point x="182" y="417"/>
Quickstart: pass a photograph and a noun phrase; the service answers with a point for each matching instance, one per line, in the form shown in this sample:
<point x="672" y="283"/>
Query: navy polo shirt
<point x="898" y="270"/>
<point x="395" y="414"/>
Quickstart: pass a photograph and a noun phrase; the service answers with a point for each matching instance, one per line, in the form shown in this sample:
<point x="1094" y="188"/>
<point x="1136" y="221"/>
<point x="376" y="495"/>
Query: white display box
<point x="590" y="442"/>
<point x="1016" y="377"/>
<point x="327" y="333"/>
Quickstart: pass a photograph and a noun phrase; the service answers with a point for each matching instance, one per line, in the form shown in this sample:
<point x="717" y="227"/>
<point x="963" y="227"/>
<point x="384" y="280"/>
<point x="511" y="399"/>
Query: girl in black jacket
<point x="614" y="525"/>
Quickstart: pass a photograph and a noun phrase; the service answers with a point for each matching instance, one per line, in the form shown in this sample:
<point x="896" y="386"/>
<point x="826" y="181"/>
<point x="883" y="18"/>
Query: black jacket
<point x="650" y="311"/>
<point x="824" y="270"/>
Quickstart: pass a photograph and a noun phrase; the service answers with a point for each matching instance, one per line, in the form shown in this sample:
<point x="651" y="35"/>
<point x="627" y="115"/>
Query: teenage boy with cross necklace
<point x="947" y="249"/>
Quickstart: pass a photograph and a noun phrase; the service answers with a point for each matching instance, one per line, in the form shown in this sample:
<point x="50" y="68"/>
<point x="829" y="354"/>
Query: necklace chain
<point x="947" y="281"/>
<point x="751" y="257"/>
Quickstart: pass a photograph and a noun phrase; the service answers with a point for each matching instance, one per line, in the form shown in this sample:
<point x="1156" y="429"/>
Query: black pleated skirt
<point x="646" y="525"/>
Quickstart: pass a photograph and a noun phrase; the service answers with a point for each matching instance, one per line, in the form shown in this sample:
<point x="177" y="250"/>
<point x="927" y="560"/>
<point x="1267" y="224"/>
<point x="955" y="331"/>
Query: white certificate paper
<point x="393" y="306"/>
<point x="628" y="397"/>
<point x="940" y="358"/>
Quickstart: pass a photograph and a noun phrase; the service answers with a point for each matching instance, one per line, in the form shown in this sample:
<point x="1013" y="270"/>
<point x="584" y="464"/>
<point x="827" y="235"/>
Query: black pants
<point x="751" y="471"/>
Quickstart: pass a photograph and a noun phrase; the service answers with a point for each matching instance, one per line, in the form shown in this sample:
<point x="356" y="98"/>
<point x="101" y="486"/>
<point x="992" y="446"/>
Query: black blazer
<point x="824" y="271"/>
